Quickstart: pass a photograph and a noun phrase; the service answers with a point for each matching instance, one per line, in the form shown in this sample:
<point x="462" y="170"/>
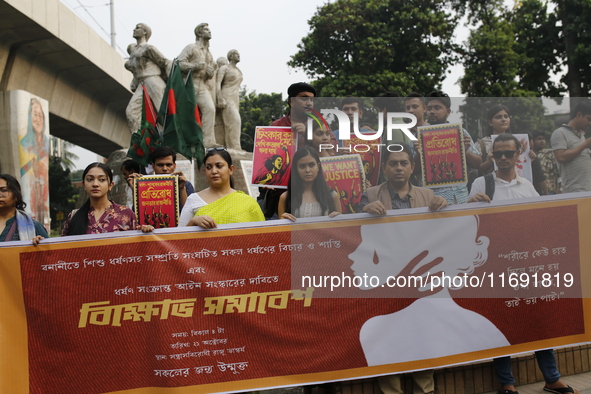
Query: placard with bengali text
<point x="156" y="200"/>
<point x="274" y="147"/>
<point x="443" y="158"/>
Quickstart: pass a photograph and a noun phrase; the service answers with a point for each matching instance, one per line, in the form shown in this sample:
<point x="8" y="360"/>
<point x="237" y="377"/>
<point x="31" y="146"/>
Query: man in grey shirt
<point x="572" y="150"/>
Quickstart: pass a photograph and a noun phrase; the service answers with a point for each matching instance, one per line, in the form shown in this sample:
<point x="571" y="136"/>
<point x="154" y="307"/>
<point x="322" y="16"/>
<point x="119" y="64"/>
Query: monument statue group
<point x="217" y="84"/>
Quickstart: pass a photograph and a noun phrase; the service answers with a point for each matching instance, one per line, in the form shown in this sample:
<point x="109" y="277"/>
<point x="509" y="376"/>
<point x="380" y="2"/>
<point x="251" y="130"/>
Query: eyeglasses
<point x="216" y="149"/>
<point x="4" y="192"/>
<point x="497" y="154"/>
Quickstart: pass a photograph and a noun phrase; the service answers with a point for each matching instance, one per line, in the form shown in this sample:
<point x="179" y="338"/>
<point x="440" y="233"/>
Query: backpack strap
<point x="489" y="185"/>
<point x="483" y="151"/>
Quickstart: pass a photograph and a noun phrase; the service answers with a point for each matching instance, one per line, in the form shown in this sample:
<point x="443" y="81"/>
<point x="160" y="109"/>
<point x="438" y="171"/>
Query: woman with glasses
<point x="219" y="203"/>
<point x="99" y="214"/>
<point x="15" y="224"/>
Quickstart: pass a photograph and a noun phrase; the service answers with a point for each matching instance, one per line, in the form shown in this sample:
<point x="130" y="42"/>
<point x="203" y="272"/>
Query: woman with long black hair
<point x="308" y="195"/>
<point x="99" y="214"/>
<point x="15" y="224"/>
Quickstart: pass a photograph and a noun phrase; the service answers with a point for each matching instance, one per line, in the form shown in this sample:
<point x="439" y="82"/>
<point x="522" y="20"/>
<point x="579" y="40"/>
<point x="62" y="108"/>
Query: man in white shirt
<point x="504" y="183"/>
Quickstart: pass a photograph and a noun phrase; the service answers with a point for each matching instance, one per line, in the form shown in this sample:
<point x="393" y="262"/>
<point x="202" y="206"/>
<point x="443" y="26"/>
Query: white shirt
<point x="193" y="203"/>
<point x="517" y="188"/>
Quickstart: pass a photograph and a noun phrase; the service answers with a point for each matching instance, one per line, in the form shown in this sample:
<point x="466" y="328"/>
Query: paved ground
<point x="581" y="382"/>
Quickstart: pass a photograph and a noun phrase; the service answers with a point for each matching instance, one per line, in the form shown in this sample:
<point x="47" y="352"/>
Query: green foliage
<point x="501" y="66"/>
<point x="525" y="46"/>
<point x="491" y="62"/>
<point x="64" y="150"/>
<point x="537" y="41"/>
<point x="366" y="47"/>
<point x="258" y="110"/>
<point x="61" y="191"/>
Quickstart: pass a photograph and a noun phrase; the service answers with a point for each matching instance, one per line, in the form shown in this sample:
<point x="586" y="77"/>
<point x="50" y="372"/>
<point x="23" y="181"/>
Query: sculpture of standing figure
<point x="229" y="78"/>
<point x="150" y="68"/>
<point x="198" y="58"/>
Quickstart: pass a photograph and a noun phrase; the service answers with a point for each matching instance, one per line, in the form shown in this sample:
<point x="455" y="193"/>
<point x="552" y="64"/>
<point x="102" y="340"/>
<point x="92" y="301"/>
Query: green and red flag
<point x="179" y="116"/>
<point x="147" y="138"/>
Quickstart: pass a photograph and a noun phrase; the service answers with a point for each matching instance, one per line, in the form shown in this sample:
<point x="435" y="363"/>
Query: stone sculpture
<point x="198" y="58"/>
<point x="229" y="78"/>
<point x="150" y="68"/>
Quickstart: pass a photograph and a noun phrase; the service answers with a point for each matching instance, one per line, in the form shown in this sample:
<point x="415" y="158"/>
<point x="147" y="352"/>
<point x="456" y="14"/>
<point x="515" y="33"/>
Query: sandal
<point x="560" y="390"/>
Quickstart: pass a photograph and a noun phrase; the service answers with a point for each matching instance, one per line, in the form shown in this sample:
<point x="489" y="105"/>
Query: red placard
<point x="344" y="175"/>
<point x="273" y="148"/>
<point x="156" y="200"/>
<point x="443" y="158"/>
<point x="370" y="153"/>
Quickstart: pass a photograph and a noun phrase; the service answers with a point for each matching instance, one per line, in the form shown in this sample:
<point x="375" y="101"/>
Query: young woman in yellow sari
<point x="219" y="203"/>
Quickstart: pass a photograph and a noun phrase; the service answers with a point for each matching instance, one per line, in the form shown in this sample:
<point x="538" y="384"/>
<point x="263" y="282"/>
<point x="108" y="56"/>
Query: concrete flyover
<point x="47" y="50"/>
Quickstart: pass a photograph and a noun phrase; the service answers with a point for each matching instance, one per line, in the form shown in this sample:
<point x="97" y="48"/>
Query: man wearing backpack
<point x="504" y="183"/>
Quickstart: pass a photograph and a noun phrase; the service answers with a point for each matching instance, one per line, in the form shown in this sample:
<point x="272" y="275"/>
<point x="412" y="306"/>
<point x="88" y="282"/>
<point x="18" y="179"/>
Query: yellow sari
<point x="236" y="207"/>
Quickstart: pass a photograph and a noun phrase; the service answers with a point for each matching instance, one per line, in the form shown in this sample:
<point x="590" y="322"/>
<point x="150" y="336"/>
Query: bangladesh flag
<point x="147" y="138"/>
<point x="179" y="116"/>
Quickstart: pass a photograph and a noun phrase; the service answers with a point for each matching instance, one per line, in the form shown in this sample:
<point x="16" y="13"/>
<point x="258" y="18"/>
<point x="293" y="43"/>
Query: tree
<point x="551" y="38"/>
<point x="366" y="47"/>
<point x="258" y="110"/>
<point x="63" y="150"/>
<point x="497" y="70"/>
<point x="572" y="17"/>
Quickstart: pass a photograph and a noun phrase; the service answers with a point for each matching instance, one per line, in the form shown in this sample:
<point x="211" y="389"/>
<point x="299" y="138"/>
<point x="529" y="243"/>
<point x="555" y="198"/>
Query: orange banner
<point x="241" y="308"/>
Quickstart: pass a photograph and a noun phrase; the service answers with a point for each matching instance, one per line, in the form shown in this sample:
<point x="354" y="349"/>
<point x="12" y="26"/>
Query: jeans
<point x="546" y="362"/>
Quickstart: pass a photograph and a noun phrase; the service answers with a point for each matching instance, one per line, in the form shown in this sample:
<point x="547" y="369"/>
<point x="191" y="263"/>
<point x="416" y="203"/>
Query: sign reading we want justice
<point x="235" y="308"/>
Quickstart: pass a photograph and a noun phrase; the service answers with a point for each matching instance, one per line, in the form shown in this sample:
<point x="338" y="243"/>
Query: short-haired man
<point x="508" y="185"/>
<point x="504" y="183"/>
<point x="398" y="193"/>
<point x="163" y="160"/>
<point x="439" y="109"/>
<point x="350" y="106"/>
<point x="547" y="162"/>
<point x="300" y="98"/>
<point x="571" y="150"/>
<point x="414" y="104"/>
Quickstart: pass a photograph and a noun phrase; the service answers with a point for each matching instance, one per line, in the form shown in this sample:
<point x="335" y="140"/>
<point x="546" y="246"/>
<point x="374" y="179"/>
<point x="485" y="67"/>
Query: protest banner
<point x="443" y="158"/>
<point x="523" y="165"/>
<point x="156" y="200"/>
<point x="344" y="174"/>
<point x="258" y="305"/>
<point x="273" y="148"/>
<point x="370" y="155"/>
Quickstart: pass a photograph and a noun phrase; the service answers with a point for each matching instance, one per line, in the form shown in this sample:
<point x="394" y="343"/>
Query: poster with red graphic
<point x="443" y="158"/>
<point x="370" y="156"/>
<point x="156" y="200"/>
<point x="273" y="148"/>
<point x="344" y="174"/>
